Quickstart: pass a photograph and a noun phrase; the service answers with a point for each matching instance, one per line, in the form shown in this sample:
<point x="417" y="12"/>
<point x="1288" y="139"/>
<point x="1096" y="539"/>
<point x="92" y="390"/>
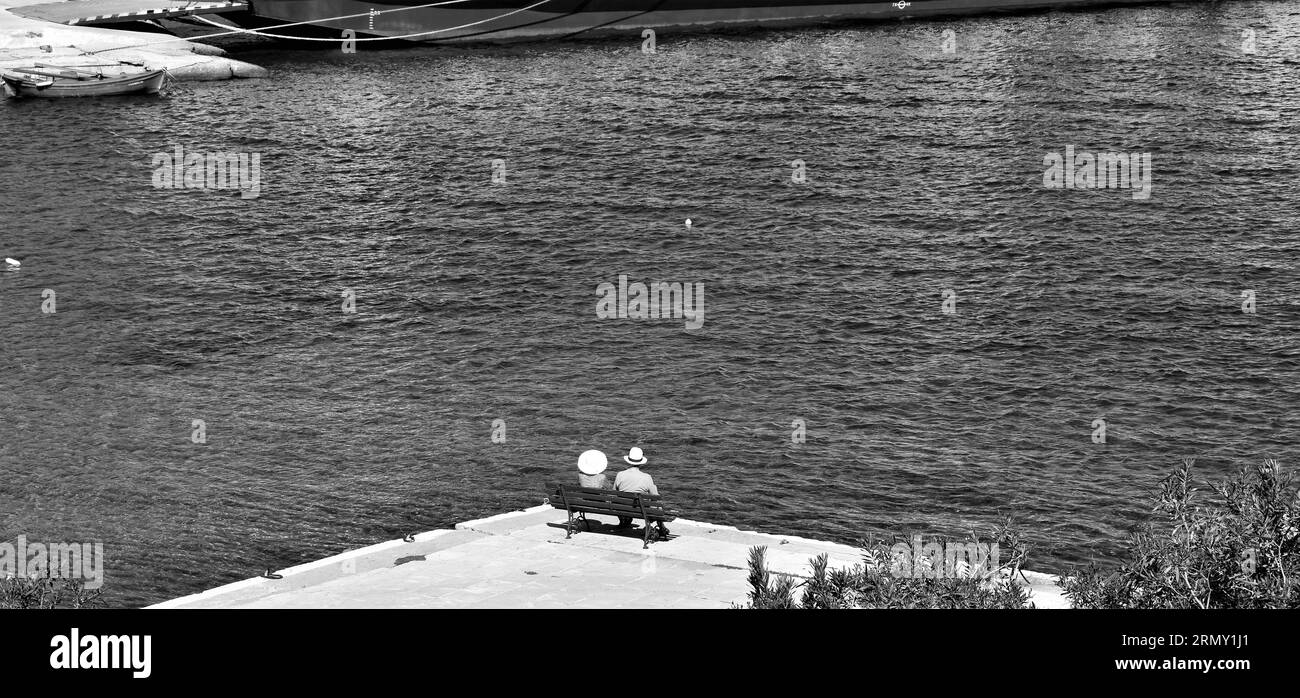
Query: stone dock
<point x="31" y="33"/>
<point x="523" y="560"/>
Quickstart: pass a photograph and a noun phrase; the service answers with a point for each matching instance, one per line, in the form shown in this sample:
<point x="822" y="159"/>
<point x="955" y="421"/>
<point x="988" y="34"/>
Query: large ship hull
<point x="513" y="20"/>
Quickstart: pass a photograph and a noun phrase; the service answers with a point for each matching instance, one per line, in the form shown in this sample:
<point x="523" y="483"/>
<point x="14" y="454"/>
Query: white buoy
<point x="13" y="262"/>
<point x="688" y="222"/>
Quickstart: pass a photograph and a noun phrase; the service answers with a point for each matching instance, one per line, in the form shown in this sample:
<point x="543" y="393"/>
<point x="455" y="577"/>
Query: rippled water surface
<point x="328" y="431"/>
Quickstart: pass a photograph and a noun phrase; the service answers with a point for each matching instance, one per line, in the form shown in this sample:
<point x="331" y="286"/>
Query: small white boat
<point x="44" y="80"/>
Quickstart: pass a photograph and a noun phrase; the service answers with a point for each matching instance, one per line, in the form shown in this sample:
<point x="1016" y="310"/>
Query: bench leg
<point x="568" y="525"/>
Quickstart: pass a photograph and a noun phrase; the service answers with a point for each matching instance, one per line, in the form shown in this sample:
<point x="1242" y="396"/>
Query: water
<point x="328" y="431"/>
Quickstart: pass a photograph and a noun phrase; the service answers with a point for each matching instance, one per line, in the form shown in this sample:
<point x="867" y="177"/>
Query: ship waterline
<point x="514" y="20"/>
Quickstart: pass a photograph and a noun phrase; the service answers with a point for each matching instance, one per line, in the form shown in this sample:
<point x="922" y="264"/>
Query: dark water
<point x="328" y="431"/>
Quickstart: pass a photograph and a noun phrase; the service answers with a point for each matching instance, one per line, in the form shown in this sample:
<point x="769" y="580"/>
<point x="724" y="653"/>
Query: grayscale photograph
<point x="657" y="305"/>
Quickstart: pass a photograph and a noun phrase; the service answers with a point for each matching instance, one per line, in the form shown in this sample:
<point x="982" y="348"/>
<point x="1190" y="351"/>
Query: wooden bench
<point x="581" y="501"/>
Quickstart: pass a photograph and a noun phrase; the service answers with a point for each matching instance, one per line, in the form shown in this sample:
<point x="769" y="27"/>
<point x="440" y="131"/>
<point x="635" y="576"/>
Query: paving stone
<point x="520" y="560"/>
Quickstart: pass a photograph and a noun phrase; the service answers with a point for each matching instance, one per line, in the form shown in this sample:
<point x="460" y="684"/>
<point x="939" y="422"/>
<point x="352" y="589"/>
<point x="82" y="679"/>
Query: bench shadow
<point x="636" y="531"/>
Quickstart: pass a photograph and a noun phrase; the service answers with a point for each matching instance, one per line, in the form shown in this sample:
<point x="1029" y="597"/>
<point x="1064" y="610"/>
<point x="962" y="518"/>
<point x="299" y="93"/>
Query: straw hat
<point x="634" y="457"/>
<point x="592" y="462"/>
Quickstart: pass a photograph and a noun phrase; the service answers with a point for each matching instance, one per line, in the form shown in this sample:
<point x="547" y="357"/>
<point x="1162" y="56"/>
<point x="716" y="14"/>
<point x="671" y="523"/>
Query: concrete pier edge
<point x="373" y="576"/>
<point x="25" y="40"/>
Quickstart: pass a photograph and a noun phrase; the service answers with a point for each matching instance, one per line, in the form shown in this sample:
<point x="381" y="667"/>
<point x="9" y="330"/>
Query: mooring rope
<point x="378" y="38"/>
<point x="262" y="32"/>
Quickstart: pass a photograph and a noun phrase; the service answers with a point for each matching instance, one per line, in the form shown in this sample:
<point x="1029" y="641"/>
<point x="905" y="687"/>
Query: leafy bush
<point x="875" y="582"/>
<point x="1242" y="551"/>
<point x="47" y="592"/>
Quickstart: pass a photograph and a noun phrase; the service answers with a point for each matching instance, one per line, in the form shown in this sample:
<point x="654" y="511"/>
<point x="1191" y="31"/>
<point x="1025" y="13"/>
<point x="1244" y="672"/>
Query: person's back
<point x="634" y="480"/>
<point x="599" y="481"/>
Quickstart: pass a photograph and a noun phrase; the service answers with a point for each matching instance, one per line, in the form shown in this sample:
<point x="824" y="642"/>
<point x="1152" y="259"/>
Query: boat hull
<point x="143" y="83"/>
<point x="515" y="20"/>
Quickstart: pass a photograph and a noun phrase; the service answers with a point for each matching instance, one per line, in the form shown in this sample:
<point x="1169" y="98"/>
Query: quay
<point x="523" y="560"/>
<point x="60" y="33"/>
<point x="84" y="12"/>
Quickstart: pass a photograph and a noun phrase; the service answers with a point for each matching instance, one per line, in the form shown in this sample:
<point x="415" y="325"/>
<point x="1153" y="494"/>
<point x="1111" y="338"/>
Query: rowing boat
<point x="46" y="80"/>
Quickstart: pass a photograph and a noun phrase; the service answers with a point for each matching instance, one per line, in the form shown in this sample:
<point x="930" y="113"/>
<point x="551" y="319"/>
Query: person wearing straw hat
<point x="634" y="480"/>
<point x="591" y="469"/>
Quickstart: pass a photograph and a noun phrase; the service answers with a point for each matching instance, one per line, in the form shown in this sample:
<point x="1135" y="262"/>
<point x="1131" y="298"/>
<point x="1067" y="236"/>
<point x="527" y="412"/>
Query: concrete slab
<point x="83" y="12"/>
<point x="523" y="560"/>
<point x="25" y="40"/>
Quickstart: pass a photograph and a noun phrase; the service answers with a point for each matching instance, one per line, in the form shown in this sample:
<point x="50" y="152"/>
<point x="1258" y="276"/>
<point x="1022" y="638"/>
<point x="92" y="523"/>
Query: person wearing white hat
<point x="634" y="480"/>
<point x="591" y="469"/>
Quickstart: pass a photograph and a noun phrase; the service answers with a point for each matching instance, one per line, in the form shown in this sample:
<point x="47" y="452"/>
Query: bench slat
<point x="597" y="498"/>
<point x="590" y="500"/>
<point x="656" y="513"/>
<point x="574" y="491"/>
<point x="609" y="501"/>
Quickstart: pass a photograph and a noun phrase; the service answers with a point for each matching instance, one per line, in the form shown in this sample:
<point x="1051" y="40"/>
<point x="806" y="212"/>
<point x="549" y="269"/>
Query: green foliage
<point x="876" y="582"/>
<point x="47" y="592"/>
<point x="1241" y="551"/>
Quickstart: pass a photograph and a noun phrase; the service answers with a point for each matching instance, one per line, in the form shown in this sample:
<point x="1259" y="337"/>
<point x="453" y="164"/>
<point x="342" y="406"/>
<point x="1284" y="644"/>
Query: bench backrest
<point x="609" y="501"/>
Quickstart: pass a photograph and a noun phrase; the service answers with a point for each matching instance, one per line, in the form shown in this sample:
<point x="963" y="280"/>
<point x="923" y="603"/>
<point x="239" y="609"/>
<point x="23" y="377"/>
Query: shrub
<point x="873" y="582"/>
<point x="1241" y="551"/>
<point x="47" y="592"/>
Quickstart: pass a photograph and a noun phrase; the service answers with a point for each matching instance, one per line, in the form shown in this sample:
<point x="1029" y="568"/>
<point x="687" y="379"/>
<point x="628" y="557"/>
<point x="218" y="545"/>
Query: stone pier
<point x="27" y="37"/>
<point x="524" y="560"/>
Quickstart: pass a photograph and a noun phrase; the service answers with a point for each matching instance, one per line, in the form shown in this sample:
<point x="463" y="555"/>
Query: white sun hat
<point x="634" y="457"/>
<point x="592" y="462"/>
